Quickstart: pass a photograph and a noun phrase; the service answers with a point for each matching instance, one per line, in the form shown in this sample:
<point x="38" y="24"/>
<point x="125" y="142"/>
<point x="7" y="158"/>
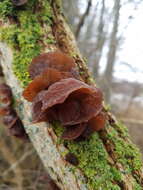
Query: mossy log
<point x="108" y="160"/>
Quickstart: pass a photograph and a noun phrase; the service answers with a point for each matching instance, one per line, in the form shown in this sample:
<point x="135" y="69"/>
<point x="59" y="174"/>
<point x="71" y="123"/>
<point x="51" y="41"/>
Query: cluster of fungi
<point x="10" y="118"/>
<point x="57" y="93"/>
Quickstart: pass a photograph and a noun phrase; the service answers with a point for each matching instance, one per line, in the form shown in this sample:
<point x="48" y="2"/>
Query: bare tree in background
<point x="73" y="14"/>
<point x="82" y="20"/>
<point x="100" y="41"/>
<point x="113" y="45"/>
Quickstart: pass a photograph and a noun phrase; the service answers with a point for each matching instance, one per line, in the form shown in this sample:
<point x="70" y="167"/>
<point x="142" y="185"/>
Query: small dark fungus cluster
<point x="19" y="2"/>
<point x="57" y="93"/>
<point x="1" y="72"/>
<point x="5" y="94"/>
<point x="10" y="117"/>
<point x="72" y="159"/>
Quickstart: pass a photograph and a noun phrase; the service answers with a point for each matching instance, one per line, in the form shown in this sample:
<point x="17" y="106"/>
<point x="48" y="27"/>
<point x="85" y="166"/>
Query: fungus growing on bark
<point x="55" y="60"/>
<point x="84" y="130"/>
<point x="81" y="100"/>
<point x="72" y="159"/>
<point x="43" y="81"/>
<point x="4" y="110"/>
<point x="5" y="94"/>
<point x="97" y="122"/>
<point x="14" y="125"/>
<point x="10" y="118"/>
<point x="17" y="130"/>
<point x="74" y="131"/>
<point x="57" y="93"/>
<point x="19" y="2"/>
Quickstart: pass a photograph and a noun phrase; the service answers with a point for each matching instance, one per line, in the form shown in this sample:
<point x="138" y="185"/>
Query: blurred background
<point x="109" y="35"/>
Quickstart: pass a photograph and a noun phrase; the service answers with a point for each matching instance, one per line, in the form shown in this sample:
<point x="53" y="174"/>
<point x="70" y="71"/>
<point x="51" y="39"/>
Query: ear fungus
<point x="73" y="132"/>
<point x="57" y="93"/>
<point x="97" y="122"/>
<point x="42" y="82"/>
<point x="81" y="100"/>
<point x="5" y="94"/>
<point x="10" y="118"/>
<point x="54" y="60"/>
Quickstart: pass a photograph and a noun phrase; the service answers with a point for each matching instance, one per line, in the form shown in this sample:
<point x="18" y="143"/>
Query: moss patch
<point x="25" y="34"/>
<point x="93" y="161"/>
<point x="6" y="9"/>
<point x="93" y="158"/>
<point x="126" y="152"/>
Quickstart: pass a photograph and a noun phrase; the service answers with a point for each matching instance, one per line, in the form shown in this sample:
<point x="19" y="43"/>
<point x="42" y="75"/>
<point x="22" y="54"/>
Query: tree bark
<point x="108" y="160"/>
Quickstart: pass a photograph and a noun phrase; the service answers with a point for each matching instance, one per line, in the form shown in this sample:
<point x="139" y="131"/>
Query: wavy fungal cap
<point x="56" y="60"/>
<point x="81" y="100"/>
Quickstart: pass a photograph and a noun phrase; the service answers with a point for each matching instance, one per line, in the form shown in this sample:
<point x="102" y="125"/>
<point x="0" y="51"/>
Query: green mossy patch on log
<point x="93" y="158"/>
<point x="93" y="161"/>
<point x="126" y="153"/>
<point x="25" y="33"/>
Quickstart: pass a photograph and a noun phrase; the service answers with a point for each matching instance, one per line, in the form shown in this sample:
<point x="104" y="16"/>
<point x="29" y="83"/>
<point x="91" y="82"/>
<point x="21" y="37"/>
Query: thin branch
<point x="10" y="158"/>
<point x="18" y="162"/>
<point x="82" y="20"/>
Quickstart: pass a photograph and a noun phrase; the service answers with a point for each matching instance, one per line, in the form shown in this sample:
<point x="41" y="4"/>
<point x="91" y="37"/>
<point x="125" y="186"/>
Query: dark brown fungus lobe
<point x="4" y="110"/>
<point x="43" y="81"/>
<point x="14" y="125"/>
<point x="71" y="96"/>
<point x="98" y="122"/>
<point x="1" y="72"/>
<point x="10" y="118"/>
<point x="56" y="60"/>
<point x="17" y="130"/>
<point x="72" y="159"/>
<point x="94" y="124"/>
<point x="5" y="94"/>
<point x="19" y="2"/>
<point x="73" y="132"/>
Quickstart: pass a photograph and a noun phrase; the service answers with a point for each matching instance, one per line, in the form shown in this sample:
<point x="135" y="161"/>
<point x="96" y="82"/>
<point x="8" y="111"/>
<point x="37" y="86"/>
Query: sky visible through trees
<point x="129" y="58"/>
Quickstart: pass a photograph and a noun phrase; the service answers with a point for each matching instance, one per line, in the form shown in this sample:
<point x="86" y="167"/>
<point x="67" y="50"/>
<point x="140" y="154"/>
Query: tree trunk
<point x="113" y="45"/>
<point x="82" y="20"/>
<point x="108" y="160"/>
<point x="100" y="41"/>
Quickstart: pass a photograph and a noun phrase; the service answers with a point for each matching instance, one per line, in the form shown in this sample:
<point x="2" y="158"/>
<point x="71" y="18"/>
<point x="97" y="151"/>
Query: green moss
<point x="127" y="153"/>
<point x="25" y="37"/>
<point x="137" y="187"/>
<point x="6" y="8"/>
<point x="93" y="158"/>
<point x="122" y="129"/>
<point x="92" y="161"/>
